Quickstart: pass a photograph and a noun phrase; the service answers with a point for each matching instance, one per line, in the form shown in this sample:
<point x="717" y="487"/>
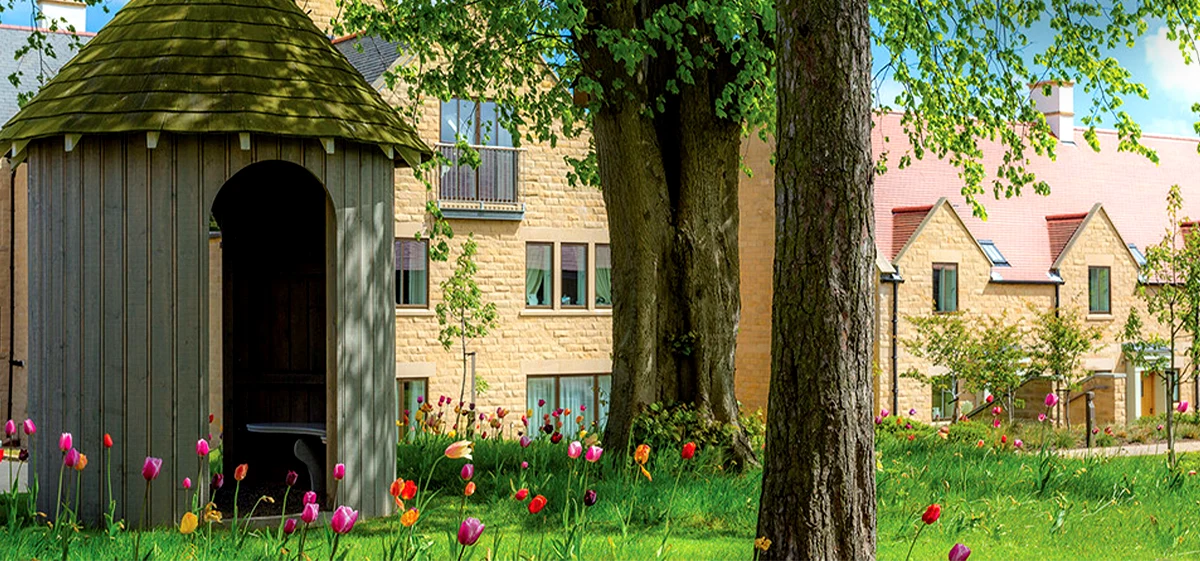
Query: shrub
<point x="669" y="426"/>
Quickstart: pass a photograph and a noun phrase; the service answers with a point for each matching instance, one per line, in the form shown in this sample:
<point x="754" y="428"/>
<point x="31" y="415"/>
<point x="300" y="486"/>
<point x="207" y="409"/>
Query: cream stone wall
<point x="756" y="251"/>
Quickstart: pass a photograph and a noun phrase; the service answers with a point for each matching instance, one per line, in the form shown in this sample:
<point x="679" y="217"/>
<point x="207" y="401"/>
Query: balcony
<point x="489" y="192"/>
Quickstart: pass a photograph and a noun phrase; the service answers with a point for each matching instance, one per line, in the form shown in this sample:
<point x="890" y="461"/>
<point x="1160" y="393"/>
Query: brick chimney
<point x="1058" y="107"/>
<point x="73" y="11"/>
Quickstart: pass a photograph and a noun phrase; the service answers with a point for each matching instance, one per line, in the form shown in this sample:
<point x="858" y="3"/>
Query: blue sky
<point x="1154" y="61"/>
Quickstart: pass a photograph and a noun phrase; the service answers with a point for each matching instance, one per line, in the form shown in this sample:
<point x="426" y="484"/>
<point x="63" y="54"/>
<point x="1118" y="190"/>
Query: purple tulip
<point x="541" y="402"/>
<point x="912" y="412"/>
<point x="64" y="442"/>
<point x="10" y="428"/>
<point x="589" y="498"/>
<point x="878" y="419"/>
<point x="468" y="471"/>
<point x="290" y="478"/>
<point x="290" y="526"/>
<point x="526" y="441"/>
<point x="29" y="427"/>
<point x="310" y="498"/>
<point x="71" y="457"/>
<point x="959" y="552"/>
<point x="343" y="520"/>
<point x="309" y="515"/>
<point x="420" y="399"/>
<point x="218" y="481"/>
<point x="151" y="467"/>
<point x="23" y="455"/>
<point x="470" y="531"/>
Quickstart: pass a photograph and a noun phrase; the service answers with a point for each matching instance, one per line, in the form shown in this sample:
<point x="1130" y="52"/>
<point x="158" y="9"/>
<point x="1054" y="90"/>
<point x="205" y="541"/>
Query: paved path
<point x="17" y="471"/>
<point x="1136" y="449"/>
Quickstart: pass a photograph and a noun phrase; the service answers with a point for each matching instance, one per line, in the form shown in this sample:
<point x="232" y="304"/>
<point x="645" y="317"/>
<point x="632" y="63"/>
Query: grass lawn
<point x="1003" y="505"/>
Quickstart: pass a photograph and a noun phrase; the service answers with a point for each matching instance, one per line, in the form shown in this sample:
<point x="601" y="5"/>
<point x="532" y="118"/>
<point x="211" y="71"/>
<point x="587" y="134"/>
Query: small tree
<point x="1001" y="362"/>
<point x="462" y="313"/>
<point x="945" y="341"/>
<point x="1060" y="339"/>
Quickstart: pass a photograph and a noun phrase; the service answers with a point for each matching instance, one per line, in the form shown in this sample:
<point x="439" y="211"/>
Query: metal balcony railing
<point x="494" y="181"/>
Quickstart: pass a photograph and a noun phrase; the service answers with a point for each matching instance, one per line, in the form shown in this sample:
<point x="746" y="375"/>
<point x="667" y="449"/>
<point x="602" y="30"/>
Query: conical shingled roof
<point x="213" y="66"/>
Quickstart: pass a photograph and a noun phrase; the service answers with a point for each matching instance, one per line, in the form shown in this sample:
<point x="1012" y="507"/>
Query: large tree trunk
<point x="670" y="176"/>
<point x="818" y="495"/>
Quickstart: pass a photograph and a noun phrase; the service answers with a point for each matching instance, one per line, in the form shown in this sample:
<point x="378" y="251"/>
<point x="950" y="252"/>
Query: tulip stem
<point x="283" y="512"/>
<point x="303" y="534"/>
<point x="914" y="542"/>
<point x="337" y="537"/>
<point x="137" y="540"/>
<point x="58" y="503"/>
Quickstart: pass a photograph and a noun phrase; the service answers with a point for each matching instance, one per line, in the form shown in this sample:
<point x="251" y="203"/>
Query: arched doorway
<point x="274" y="219"/>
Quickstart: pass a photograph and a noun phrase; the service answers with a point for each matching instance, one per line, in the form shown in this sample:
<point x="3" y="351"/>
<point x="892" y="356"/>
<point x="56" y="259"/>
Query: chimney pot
<point x="1058" y="106"/>
<point x="73" y="12"/>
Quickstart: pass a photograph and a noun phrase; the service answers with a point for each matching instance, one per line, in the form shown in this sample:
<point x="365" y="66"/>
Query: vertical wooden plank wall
<point x="118" y="308"/>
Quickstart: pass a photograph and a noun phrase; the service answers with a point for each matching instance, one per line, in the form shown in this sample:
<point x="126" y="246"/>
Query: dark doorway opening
<point x="273" y="220"/>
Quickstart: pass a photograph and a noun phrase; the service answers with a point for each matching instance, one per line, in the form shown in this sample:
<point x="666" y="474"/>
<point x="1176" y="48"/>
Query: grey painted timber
<point x="119" y="275"/>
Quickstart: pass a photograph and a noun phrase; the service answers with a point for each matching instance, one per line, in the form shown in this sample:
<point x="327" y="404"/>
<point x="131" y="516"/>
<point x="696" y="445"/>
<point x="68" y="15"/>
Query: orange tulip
<point x="642" y="454"/>
<point x="81" y="462"/>
<point x="394" y="491"/>
<point x="409" y="517"/>
<point x="470" y="490"/>
<point x="240" y="473"/>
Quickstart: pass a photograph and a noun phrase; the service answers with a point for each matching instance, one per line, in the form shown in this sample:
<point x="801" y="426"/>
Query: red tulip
<point x="689" y="450"/>
<point x="409" y="491"/>
<point x="239" y="473"/>
<point x="108" y="443"/>
<point x="520" y="496"/>
<point x="1003" y="439"/>
<point x="537" y="504"/>
<point x="932" y="513"/>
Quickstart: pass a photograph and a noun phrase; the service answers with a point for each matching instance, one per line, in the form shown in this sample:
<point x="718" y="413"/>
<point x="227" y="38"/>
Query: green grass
<point x="1003" y="505"/>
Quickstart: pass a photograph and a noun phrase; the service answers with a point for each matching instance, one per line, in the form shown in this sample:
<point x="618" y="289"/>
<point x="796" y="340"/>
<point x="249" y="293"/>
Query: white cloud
<point x="1175" y="79"/>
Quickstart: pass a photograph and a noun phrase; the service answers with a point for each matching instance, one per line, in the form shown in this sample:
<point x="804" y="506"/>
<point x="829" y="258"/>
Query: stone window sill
<point x="1099" y="317"/>
<point x="566" y="312"/>
<point x="414" y="312"/>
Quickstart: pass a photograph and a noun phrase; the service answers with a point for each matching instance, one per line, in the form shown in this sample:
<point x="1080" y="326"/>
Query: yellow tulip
<point x="641" y="455"/>
<point x="409" y="517"/>
<point x="188" y="524"/>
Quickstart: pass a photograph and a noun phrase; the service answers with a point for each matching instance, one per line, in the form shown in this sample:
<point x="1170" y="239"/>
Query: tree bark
<point x="818" y="496"/>
<point x="669" y="167"/>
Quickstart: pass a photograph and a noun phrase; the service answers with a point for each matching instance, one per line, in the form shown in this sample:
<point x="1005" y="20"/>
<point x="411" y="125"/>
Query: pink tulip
<point x="202" y="447"/>
<point x="996" y="422"/>
<point x="64" y="442"/>
<point x="959" y="552"/>
<point x="878" y="419"/>
<point x="1160" y="427"/>
<point x="289" y="527"/>
<point x="309" y="515"/>
<point x="469" y="531"/>
<point x="883" y="413"/>
<point x="997" y="410"/>
<point x="594" y="453"/>
<point x="526" y="441"/>
<point x="29" y="427"/>
<point x="10" y="428"/>
<point x="187" y="483"/>
<point x="310" y="498"/>
<point x="1041" y="417"/>
<point x="1182" y="407"/>
<point x="151" y="468"/>
<point x="574" y="449"/>
<point x="343" y="520"/>
<point x="71" y="457"/>
<point x="1019" y="443"/>
<point x="1051" y="401"/>
<point x="339" y="471"/>
<point x="468" y="471"/>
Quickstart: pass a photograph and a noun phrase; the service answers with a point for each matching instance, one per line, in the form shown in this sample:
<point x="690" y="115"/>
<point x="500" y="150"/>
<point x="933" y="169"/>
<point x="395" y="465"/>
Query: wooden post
<point x="1091" y="417"/>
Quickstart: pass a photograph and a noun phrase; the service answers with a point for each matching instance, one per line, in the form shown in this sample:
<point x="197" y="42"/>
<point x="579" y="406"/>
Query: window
<point x="993" y="253"/>
<point x="945" y="287"/>
<point x="574" y="275"/>
<point x="539" y="280"/>
<point x="1137" y="255"/>
<point x="1099" y="298"/>
<point x="943" y="399"/>
<point x="494" y="178"/>
<point x="591" y="391"/>
<point x="476" y="123"/>
<point x="411" y="395"/>
<point x="1173" y="375"/>
<point x="412" y="273"/>
<point x="603" y="276"/>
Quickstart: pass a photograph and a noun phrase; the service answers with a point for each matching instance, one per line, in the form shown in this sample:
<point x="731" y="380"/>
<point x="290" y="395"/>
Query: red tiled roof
<point x="905" y="221"/>
<point x="1060" y="228"/>
<point x="1131" y="188"/>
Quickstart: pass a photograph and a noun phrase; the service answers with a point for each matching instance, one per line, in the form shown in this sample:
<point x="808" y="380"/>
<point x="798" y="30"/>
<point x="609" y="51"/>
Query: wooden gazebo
<point x="176" y="113"/>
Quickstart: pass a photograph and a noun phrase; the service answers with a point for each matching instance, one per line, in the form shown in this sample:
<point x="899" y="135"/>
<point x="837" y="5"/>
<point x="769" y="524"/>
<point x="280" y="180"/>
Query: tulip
<point x="239" y="473"/>
<point x="932" y="513"/>
<point x="1160" y="427"/>
<point x="1182" y="407"/>
<point x="979" y="444"/>
<point x="1041" y="417"/>
<point x="29" y="427"/>
<point x="469" y="531"/>
<point x="521" y="494"/>
<point x="641" y="454"/>
<point x="151" y="467"/>
<point x="409" y="517"/>
<point x="470" y="489"/>
<point x="10" y="428"/>
<point x="526" y="441"/>
<point x="878" y="420"/>
<point x="218" y="481"/>
<point x="912" y="412"/>
<point x="996" y="423"/>
<point x="689" y="451"/>
<point x="912" y="437"/>
<point x="468" y="471"/>
<point x="460" y="449"/>
<point x="1096" y="430"/>
<point x="310" y="498"/>
<point x="188" y="523"/>
<point x="64" y="442"/>
<point x="537" y="504"/>
<point x="574" y="449"/>
<point x="1003" y="439"/>
<point x="289" y="527"/>
<point x="394" y="489"/>
<point x="883" y="413"/>
<point x="1019" y="444"/>
<point x="108" y="442"/>
<point x="524" y="465"/>
<point x="1051" y="400"/>
<point x="211" y="418"/>
<point x="71" y="457"/>
<point x="541" y="402"/>
<point x="343" y="520"/>
<point x="187" y="483"/>
<point x="290" y="478"/>
<point x="589" y="498"/>
<point x="997" y="410"/>
<point x="594" y="453"/>
<point x="409" y="491"/>
<point x="339" y="471"/>
<point x="202" y="447"/>
<point x="81" y="463"/>
<point x="309" y="514"/>
<point x="556" y="438"/>
<point x="959" y="552"/>
<point x="23" y="455"/>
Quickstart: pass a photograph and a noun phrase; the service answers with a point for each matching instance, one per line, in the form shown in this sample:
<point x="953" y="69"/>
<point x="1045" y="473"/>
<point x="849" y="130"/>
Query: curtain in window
<point x="603" y="275"/>
<point x="537" y="275"/>
<point x="948" y="289"/>
<point x="575" y="391"/>
<point x="410" y="390"/>
<point x="605" y="383"/>
<point x="574" y="274"/>
<point x="411" y="273"/>
<point x="535" y="389"/>
<point x="1098" y="290"/>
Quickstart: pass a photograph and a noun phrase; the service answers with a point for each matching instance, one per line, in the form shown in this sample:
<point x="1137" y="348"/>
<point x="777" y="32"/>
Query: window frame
<point x="583" y="296"/>
<point x="595" y="269"/>
<point x="407" y="426"/>
<point x="1107" y="292"/>
<point x="399" y="289"/>
<point x="477" y="128"/>
<point x="592" y="413"/>
<point x="938" y="268"/>
<point x="549" y="278"/>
